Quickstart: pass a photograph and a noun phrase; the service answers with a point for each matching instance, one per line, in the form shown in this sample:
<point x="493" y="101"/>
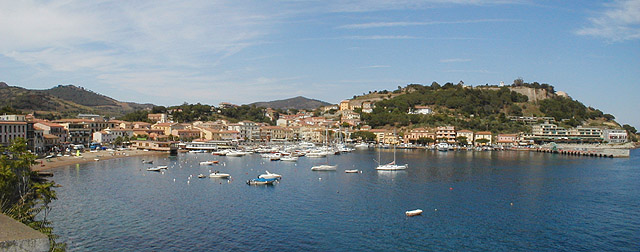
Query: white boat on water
<point x="316" y="154"/>
<point x="158" y="168"/>
<point x="208" y="162"/>
<point x="361" y="146"/>
<point x="236" y="154"/>
<point x="219" y="175"/>
<point x="324" y="167"/>
<point x="201" y="176"/>
<point x="289" y="158"/>
<point x="261" y="181"/>
<point x="352" y="171"/>
<point x="147" y="161"/>
<point x="390" y="166"/>
<point x="269" y="175"/>
<point x="413" y="212"/>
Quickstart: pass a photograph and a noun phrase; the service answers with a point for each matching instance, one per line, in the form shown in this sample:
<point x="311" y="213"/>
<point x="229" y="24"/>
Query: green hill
<point x="64" y="101"/>
<point x="480" y="108"/>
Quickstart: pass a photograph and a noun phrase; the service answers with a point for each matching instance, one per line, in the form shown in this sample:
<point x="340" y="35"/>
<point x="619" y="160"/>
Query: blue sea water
<point x="472" y="201"/>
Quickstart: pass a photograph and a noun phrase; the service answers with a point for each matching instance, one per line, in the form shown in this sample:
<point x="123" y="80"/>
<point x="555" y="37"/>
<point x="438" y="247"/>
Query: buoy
<point x="512" y="203"/>
<point x="174" y="180"/>
<point x="435" y="209"/>
<point x="450" y="188"/>
<point x="319" y="178"/>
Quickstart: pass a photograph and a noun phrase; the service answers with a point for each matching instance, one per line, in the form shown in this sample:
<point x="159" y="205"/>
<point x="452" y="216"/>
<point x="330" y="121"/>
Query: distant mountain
<point x="65" y="100"/>
<point x="292" y="103"/>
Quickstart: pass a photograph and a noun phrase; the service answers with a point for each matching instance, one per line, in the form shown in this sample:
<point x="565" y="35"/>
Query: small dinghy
<point x="201" y="175"/>
<point x="352" y="171"/>
<point x="414" y="212"/>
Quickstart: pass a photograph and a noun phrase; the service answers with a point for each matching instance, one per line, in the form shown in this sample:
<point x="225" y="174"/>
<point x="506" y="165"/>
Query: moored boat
<point x="269" y="175"/>
<point x="413" y="212"/>
<point x="217" y="174"/>
<point x="352" y="171"/>
<point x="324" y="167"/>
<point x="261" y="181"/>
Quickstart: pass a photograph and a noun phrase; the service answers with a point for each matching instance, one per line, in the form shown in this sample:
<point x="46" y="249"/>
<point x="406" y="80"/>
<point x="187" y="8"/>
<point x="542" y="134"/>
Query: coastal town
<point x="339" y="121"/>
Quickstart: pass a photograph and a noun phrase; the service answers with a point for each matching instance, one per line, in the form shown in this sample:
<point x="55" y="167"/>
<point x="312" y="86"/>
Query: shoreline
<point x="86" y="157"/>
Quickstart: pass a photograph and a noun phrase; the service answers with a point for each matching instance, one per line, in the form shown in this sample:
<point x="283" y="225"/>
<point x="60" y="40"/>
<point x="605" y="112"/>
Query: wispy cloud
<point x="454" y="60"/>
<point x="400" y="24"/>
<point x="618" y="22"/>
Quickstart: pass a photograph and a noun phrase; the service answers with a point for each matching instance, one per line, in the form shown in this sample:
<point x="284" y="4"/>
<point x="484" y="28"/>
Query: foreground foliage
<point x="23" y="195"/>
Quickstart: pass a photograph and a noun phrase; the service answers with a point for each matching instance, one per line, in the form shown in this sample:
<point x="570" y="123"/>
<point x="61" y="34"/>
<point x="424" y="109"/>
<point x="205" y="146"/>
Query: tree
<point x="462" y="140"/>
<point x="23" y="195"/>
<point x="629" y="128"/>
<point x="364" y="136"/>
<point x="118" y="141"/>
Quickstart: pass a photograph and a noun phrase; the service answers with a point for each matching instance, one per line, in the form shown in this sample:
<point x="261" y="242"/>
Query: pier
<point x="587" y="152"/>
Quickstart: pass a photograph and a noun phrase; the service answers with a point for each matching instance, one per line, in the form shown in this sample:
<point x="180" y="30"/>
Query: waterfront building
<point x="186" y="133"/>
<point x="413" y="135"/>
<point x="548" y="130"/>
<point x="614" y="135"/>
<point x="482" y="135"/>
<point x="167" y="128"/>
<point x="585" y="133"/>
<point x="446" y="134"/>
<point x="277" y="133"/>
<point x="10" y="130"/>
<point x="54" y="129"/>
<point x="507" y="139"/>
<point x="465" y="133"/>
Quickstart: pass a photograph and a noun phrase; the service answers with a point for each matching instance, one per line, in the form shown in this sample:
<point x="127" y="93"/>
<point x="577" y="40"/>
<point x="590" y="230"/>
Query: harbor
<point x="466" y="198"/>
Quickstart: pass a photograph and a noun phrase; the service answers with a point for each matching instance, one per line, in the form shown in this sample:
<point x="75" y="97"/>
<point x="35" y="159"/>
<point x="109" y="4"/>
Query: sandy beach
<point x="45" y="164"/>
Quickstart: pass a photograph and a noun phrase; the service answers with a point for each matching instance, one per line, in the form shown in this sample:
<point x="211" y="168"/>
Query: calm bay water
<point x="472" y="201"/>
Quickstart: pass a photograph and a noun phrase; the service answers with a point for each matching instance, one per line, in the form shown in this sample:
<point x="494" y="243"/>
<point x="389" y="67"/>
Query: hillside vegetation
<point x="63" y="101"/>
<point x="480" y="108"/>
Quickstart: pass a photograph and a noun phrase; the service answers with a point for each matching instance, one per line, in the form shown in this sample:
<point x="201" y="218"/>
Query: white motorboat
<point x="413" y="212"/>
<point x="324" y="167"/>
<point x="270" y="176"/>
<point x="147" y="161"/>
<point x="352" y="171"/>
<point x="208" y="162"/>
<point x="154" y="169"/>
<point x="316" y="154"/>
<point x="219" y="175"/>
<point x="236" y="154"/>
<point x="289" y="158"/>
<point x="201" y="175"/>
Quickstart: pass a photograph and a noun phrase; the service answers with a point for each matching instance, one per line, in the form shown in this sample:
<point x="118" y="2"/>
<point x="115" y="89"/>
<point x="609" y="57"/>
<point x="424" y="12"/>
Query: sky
<point x="208" y="51"/>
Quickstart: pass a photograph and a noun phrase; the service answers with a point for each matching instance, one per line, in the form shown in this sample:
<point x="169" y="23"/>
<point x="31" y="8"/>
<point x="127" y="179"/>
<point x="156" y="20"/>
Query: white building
<point x="421" y="110"/>
<point x="614" y="135"/>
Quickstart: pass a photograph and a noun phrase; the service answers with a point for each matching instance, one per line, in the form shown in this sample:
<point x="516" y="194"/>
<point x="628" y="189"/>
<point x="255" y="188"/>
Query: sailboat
<point x="327" y="166"/>
<point x="390" y="166"/>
